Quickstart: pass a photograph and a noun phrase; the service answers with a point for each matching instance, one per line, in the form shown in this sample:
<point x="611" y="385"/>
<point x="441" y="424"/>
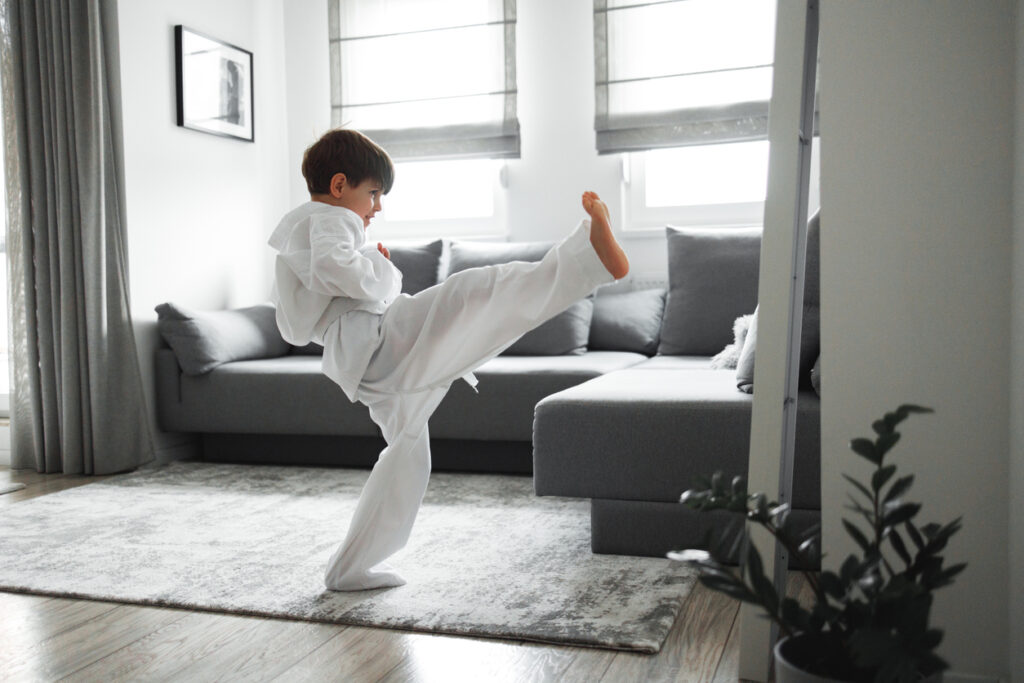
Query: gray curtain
<point x="77" y="403"/>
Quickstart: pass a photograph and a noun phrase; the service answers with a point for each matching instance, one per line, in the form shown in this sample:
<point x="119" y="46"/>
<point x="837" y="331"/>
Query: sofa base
<point x="458" y="455"/>
<point x="633" y="527"/>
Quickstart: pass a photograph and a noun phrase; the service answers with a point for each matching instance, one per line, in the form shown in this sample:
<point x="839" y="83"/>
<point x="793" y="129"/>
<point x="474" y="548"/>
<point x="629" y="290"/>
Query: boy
<point x="396" y="353"/>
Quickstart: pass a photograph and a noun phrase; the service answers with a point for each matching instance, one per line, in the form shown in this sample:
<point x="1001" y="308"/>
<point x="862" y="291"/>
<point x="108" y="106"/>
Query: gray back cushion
<point x="712" y="275"/>
<point x="419" y="264"/>
<point x="202" y="340"/>
<point x="566" y="333"/>
<point x="628" y="321"/>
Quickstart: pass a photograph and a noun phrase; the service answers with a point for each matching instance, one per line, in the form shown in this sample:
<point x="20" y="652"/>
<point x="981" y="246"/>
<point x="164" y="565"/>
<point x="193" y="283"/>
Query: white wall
<point x="199" y="207"/>
<point x="916" y="111"/>
<point x="1016" y="516"/>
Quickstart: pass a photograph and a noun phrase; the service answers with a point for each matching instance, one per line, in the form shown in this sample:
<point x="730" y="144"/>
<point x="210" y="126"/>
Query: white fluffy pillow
<point x="727" y="358"/>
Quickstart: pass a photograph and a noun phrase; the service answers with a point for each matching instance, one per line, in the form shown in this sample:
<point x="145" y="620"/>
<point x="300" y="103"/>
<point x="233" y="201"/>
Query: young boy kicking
<point x="396" y="353"/>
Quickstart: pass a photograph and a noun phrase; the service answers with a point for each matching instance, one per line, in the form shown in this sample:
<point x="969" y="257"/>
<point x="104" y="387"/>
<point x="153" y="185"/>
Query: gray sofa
<point x="613" y="400"/>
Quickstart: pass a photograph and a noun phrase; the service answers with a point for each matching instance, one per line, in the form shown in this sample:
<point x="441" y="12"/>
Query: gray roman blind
<point x="672" y="73"/>
<point x="427" y="79"/>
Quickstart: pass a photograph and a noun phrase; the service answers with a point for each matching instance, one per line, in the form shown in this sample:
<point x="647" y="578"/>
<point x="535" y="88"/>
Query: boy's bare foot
<point x="601" y="237"/>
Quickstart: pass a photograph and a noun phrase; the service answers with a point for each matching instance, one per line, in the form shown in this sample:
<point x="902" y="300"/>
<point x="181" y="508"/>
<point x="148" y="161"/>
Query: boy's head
<point x="349" y="152"/>
<point x="342" y="161"/>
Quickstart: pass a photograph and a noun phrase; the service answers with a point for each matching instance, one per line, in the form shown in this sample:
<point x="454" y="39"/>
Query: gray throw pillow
<point x="566" y="333"/>
<point x="202" y="340"/>
<point x="712" y="275"/>
<point x="630" y="321"/>
<point x="419" y="264"/>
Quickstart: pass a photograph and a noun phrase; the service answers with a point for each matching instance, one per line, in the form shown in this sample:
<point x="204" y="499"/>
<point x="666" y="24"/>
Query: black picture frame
<point x="214" y="82"/>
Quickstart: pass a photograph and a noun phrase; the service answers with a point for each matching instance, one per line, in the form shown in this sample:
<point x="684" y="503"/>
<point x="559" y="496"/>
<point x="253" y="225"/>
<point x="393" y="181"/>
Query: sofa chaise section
<point x="633" y="440"/>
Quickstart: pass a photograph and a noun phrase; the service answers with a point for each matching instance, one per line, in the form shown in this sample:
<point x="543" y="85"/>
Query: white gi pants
<point x="426" y="342"/>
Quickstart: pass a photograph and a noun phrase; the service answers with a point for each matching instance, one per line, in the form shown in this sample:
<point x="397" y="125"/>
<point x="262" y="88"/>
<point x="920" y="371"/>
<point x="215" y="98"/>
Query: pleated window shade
<point x="427" y="79"/>
<point x="681" y="72"/>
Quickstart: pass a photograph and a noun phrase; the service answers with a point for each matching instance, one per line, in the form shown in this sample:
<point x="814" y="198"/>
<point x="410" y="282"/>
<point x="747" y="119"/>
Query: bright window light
<point x="707" y="174"/>
<point x="432" y="190"/>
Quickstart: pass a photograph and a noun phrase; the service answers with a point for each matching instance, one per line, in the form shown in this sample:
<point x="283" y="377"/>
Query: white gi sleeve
<point x="338" y="266"/>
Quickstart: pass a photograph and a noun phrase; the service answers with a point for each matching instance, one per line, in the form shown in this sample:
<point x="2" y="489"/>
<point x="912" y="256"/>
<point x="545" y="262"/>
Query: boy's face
<point x="364" y="199"/>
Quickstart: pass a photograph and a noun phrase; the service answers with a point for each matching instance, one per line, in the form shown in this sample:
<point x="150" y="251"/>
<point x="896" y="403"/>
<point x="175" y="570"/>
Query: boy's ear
<point x="338" y="182"/>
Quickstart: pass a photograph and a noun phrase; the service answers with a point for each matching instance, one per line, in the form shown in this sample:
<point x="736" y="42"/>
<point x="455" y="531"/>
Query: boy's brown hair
<point x="350" y="152"/>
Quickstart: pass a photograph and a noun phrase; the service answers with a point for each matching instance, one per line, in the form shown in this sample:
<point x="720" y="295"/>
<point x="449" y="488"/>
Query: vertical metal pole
<point x="780" y="294"/>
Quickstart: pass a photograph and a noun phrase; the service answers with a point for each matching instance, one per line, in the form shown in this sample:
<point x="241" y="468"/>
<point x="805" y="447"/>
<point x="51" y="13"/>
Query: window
<point x="444" y="199"/>
<point x="683" y="88"/>
<point x="449" y="112"/>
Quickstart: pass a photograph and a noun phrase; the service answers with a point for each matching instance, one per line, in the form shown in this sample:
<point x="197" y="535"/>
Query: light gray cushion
<point x="202" y="340"/>
<point x="419" y="264"/>
<point x="646" y="433"/>
<point x="630" y="321"/>
<point x="566" y="333"/>
<point x="712" y="274"/>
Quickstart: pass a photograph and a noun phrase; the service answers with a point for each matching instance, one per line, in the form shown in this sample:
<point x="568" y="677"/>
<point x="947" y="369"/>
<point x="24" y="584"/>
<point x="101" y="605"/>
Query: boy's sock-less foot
<point x="601" y="237"/>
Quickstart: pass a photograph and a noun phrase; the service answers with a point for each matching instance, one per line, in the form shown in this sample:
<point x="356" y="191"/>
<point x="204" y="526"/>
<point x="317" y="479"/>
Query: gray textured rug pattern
<point x="486" y="558"/>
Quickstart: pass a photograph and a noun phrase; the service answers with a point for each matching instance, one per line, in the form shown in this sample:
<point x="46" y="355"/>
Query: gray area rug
<point x="487" y="557"/>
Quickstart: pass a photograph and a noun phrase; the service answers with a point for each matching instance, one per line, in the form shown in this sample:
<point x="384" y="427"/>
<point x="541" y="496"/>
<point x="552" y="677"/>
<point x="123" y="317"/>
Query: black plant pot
<point x="795" y="655"/>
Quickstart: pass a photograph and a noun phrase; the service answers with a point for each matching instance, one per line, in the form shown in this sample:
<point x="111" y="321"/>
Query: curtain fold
<point x="77" y="401"/>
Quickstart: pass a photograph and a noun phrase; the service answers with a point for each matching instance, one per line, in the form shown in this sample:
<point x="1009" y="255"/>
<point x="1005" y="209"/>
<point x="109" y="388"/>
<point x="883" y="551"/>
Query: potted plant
<point x="869" y="620"/>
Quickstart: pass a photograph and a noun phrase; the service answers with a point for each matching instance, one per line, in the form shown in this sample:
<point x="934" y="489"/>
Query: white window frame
<point x="644" y="221"/>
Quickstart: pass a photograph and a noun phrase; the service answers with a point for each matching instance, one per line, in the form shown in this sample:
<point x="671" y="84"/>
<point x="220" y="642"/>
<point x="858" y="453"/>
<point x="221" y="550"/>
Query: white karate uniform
<point x="398" y="354"/>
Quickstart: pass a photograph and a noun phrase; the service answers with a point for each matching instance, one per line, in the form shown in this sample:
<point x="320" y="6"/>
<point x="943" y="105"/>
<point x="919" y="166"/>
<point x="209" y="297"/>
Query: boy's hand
<point x="384" y="250"/>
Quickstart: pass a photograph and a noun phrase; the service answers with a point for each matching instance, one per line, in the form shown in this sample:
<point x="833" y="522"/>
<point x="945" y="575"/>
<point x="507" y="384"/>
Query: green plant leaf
<point x="909" y="408"/>
<point x="860" y="487"/>
<point x="885" y="442"/>
<point x="866" y="449"/>
<point x="832" y="585"/>
<point x="898" y="545"/>
<point x="900" y="514"/>
<point x="881" y="476"/>
<point x="898" y="488"/>
<point x="857" y="535"/>
<point x="914" y="534"/>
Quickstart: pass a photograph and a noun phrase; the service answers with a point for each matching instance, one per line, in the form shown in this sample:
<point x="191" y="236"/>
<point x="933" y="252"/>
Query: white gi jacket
<point x="324" y="269"/>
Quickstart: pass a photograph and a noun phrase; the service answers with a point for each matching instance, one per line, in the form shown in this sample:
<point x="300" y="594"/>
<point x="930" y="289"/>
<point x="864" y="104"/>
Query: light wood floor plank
<point x="589" y="664"/>
<point x="354" y="654"/>
<point x="75" y="648"/>
<point x="254" y="648"/>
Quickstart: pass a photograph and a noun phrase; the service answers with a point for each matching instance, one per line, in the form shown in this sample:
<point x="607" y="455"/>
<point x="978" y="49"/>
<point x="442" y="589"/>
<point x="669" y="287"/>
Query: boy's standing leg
<point x="428" y="341"/>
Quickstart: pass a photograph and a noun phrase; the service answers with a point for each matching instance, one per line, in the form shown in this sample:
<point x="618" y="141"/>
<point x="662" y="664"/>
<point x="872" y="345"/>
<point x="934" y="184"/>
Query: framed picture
<point x="214" y="82"/>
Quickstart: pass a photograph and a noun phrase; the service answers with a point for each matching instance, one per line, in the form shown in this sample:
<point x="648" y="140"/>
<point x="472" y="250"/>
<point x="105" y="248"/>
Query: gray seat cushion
<point x="290" y="395"/>
<point x="647" y="433"/>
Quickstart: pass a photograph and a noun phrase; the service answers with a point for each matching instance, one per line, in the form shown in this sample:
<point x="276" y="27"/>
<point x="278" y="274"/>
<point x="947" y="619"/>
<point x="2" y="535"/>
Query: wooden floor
<point x="46" y="639"/>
